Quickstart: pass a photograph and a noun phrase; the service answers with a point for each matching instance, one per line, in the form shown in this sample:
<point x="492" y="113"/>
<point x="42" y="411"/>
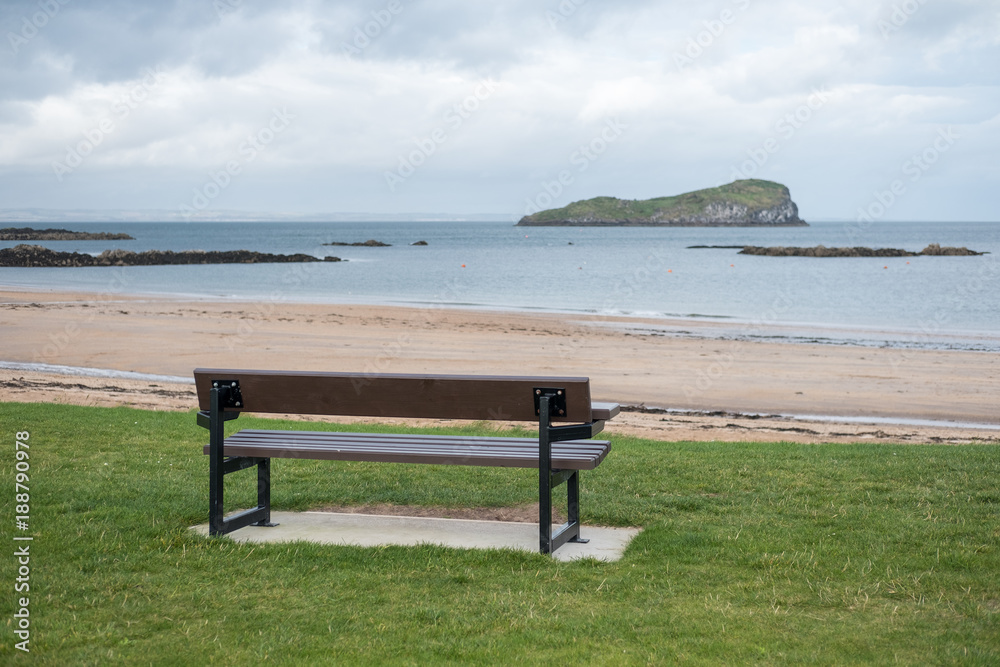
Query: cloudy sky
<point x="390" y="106"/>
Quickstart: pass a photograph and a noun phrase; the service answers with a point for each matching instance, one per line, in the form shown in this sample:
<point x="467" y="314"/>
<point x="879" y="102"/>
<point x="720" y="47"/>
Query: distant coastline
<point x="31" y="234"/>
<point x="72" y="216"/>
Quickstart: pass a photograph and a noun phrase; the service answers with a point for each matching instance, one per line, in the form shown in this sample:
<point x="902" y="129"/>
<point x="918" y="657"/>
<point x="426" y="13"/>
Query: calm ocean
<point x="951" y="302"/>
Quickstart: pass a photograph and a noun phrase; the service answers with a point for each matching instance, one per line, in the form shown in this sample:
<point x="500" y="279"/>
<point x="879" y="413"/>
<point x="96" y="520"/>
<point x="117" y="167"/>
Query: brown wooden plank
<point x="438" y="458"/>
<point x="460" y="444"/>
<point x="397" y="395"/>
<point x="442" y="450"/>
<point x="582" y="449"/>
<point x="458" y="455"/>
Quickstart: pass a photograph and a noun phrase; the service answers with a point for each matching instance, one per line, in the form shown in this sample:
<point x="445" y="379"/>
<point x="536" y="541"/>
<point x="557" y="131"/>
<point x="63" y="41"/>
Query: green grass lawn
<point x="750" y="553"/>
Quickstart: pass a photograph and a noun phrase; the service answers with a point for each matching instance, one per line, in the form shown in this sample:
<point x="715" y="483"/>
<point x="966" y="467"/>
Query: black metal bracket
<point x="557" y="400"/>
<point x="205" y="418"/>
<point x="575" y="431"/>
<point x="231" y="395"/>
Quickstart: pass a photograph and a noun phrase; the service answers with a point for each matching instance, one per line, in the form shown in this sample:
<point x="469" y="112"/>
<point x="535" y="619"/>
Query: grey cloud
<point x="117" y="40"/>
<point x="564" y="68"/>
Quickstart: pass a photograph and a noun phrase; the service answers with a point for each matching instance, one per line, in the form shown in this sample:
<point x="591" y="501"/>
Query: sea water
<point x="937" y="302"/>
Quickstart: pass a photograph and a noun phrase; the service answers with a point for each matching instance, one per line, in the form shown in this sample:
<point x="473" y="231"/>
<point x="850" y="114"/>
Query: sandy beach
<point x="747" y="387"/>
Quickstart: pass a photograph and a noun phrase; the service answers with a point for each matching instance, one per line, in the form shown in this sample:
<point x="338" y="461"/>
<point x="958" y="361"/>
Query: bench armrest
<point x="603" y="411"/>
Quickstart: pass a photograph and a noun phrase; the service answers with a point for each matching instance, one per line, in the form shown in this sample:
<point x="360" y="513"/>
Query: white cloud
<point x="357" y="111"/>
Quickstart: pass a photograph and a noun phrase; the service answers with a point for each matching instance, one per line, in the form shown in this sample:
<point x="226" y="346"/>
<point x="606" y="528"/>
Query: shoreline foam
<point x="714" y="327"/>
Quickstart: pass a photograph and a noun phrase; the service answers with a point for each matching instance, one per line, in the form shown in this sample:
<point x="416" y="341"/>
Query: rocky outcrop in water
<point x="36" y="256"/>
<point x="935" y="249"/>
<point x="823" y="251"/>
<point x="29" y="234"/>
<point x="370" y="243"/>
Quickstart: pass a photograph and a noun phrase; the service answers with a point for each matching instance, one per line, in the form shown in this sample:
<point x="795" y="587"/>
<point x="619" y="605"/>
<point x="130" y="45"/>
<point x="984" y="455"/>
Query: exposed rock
<point x="370" y="243"/>
<point x="419" y="243"/>
<point x="34" y="256"/>
<point x="823" y="251"/>
<point x="935" y="249"/>
<point x="29" y="234"/>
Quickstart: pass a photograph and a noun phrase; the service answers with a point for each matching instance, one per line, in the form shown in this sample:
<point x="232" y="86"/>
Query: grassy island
<point x="743" y="203"/>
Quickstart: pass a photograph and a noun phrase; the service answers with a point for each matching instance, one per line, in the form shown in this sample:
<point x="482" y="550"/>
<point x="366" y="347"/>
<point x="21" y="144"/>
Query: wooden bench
<point x="566" y="417"/>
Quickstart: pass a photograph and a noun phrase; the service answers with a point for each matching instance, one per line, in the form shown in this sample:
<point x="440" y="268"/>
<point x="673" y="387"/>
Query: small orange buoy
<point x="732" y="265"/>
<point x="463" y="266"/>
<point x="884" y="267"/>
<point x="670" y="270"/>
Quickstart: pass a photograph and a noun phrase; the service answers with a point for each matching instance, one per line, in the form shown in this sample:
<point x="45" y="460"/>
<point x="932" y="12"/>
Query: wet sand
<point x="735" y="380"/>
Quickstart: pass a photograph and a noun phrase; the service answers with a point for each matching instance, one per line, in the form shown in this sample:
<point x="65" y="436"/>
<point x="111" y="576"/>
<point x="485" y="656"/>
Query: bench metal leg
<point x="219" y="466"/>
<point x="548" y="479"/>
<point x="216" y="463"/>
<point x="573" y="505"/>
<point x="569" y="531"/>
<point x="544" y="478"/>
<point x="264" y="493"/>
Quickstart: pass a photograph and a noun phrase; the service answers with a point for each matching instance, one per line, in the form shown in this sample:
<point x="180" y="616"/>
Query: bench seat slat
<point x="403" y="439"/>
<point x="305" y="437"/>
<point x="562" y="460"/>
<point x="393" y="448"/>
<point x="388" y="437"/>
<point x="582" y="453"/>
<point x="395" y="456"/>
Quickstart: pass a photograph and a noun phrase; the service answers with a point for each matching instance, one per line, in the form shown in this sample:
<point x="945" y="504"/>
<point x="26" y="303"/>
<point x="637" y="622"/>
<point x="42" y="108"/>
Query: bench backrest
<point x="398" y="395"/>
